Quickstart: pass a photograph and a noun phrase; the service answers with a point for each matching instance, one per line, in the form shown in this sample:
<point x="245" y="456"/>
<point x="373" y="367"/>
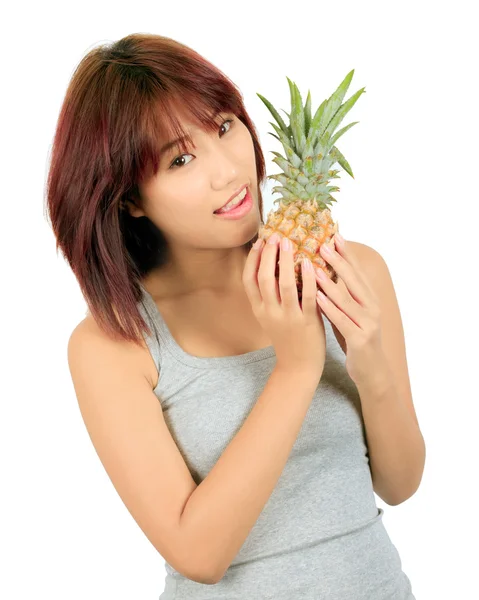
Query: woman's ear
<point x="133" y="203"/>
<point x="134" y="210"/>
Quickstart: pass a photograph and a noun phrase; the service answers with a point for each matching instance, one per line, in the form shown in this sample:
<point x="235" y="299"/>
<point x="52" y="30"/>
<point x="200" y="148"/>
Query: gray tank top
<point x="320" y="535"/>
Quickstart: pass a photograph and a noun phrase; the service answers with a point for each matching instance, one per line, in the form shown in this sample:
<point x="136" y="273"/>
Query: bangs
<point x="170" y="110"/>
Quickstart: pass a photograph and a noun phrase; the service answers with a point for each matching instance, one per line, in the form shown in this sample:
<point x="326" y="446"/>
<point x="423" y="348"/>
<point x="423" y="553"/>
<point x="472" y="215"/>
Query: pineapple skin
<point x="308" y="227"/>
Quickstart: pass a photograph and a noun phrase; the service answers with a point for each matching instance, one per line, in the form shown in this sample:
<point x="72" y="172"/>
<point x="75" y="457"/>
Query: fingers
<point x="309" y="303"/>
<point x="268" y="285"/>
<point x="262" y="287"/>
<point x="287" y="281"/>
<point x="249" y="277"/>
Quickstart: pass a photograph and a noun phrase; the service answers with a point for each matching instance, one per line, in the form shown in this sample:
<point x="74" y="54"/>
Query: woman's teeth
<point x="239" y="198"/>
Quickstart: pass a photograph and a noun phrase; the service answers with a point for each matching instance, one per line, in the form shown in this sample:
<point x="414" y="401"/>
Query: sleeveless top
<point x="320" y="534"/>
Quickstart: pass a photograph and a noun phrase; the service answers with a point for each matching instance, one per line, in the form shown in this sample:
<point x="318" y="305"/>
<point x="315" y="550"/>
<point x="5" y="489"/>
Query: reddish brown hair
<point x="117" y="111"/>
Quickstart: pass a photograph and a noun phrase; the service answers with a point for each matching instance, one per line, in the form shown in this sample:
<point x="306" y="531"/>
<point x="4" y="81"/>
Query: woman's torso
<point x="320" y="534"/>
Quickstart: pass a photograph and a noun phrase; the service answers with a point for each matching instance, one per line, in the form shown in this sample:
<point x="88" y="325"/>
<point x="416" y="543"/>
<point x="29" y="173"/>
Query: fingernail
<point x="273" y="239"/>
<point x="339" y="237"/>
<point x="307" y="265"/>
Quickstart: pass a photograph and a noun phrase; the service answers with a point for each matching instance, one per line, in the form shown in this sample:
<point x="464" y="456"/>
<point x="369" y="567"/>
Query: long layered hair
<point x="118" y="109"/>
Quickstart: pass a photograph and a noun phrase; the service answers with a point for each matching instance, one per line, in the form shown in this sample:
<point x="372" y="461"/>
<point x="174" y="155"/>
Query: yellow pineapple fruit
<point x="303" y="215"/>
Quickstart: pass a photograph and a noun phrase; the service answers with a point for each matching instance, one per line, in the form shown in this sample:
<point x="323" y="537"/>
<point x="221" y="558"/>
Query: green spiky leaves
<point x="297" y="117"/>
<point x="309" y="143"/>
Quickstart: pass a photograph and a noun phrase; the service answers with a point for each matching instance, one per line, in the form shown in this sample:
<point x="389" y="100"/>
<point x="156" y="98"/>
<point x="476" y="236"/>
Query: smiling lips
<point x="232" y="203"/>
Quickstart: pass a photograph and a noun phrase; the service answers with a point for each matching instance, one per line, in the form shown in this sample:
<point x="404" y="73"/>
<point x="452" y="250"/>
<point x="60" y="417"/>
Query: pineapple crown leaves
<point x="311" y="137"/>
<point x="285" y="141"/>
<point x="331" y="112"/>
<point x="297" y="117"/>
<point x="307" y="114"/>
<point x="276" y="115"/>
<point x="304" y="192"/>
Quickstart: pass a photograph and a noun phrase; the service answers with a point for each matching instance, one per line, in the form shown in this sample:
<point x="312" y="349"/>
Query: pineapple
<point x="303" y="215"/>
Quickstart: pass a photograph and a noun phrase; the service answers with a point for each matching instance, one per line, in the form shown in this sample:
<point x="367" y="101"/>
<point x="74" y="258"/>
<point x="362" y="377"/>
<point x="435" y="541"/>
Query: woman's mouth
<point x="238" y="207"/>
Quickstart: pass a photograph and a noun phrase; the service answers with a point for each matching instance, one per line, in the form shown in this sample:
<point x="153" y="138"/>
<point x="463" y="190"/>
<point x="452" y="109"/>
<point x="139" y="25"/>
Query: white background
<point x="65" y="533"/>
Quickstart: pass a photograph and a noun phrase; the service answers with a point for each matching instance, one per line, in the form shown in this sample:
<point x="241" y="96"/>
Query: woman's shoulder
<point x="88" y="331"/>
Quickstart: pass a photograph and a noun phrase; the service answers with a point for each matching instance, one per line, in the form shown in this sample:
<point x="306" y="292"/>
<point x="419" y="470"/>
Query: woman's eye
<point x="227" y="121"/>
<point x="175" y="164"/>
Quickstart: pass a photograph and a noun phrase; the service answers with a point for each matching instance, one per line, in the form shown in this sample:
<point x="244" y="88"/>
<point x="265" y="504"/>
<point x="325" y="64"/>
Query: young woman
<point x="221" y="409"/>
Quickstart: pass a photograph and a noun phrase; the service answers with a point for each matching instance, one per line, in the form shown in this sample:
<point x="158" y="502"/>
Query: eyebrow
<point x="175" y="142"/>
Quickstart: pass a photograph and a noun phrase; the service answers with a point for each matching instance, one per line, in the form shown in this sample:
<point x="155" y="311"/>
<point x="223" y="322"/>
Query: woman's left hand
<point x="353" y="309"/>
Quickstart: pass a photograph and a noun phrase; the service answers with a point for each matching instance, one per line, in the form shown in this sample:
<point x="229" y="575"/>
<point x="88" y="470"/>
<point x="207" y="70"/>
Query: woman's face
<point x="181" y="198"/>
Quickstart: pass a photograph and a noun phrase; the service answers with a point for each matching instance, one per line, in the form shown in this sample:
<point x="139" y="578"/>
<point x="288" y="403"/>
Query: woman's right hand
<point x="297" y="332"/>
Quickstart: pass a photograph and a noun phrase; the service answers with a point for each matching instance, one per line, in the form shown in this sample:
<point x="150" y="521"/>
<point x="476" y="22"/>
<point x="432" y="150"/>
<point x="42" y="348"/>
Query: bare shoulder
<point x="88" y="334"/>
<point x="370" y="262"/>
<point x="373" y="266"/>
<point x="362" y="252"/>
